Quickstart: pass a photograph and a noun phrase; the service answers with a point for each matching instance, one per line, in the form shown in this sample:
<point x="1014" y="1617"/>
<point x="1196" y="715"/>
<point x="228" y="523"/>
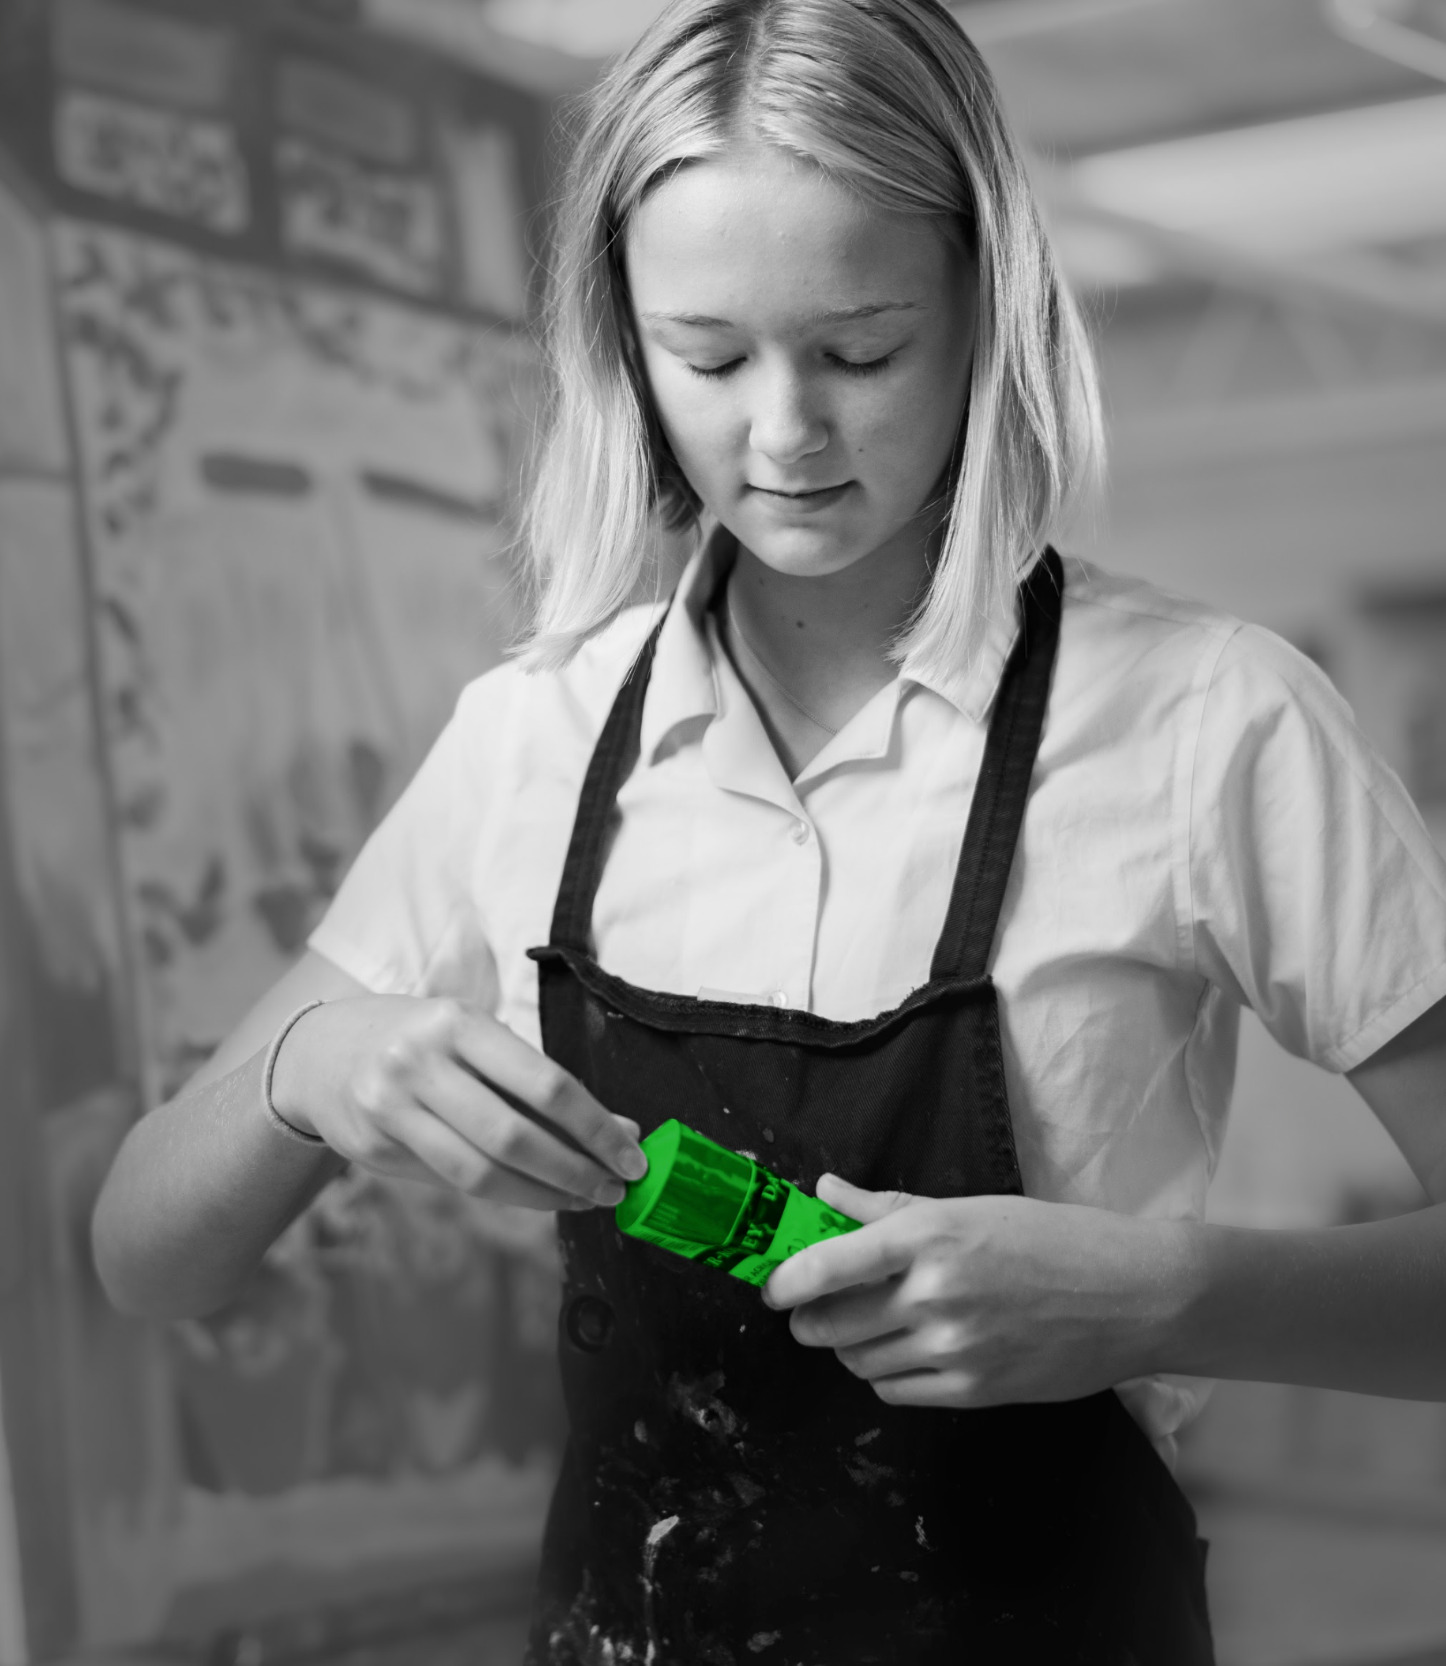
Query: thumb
<point x="858" y="1204"/>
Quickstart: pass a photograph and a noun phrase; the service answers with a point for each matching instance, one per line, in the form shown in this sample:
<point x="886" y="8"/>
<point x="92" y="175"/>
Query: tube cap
<point x="694" y="1190"/>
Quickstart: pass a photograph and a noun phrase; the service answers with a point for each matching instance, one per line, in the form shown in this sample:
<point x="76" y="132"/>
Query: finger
<point x="886" y="1356"/>
<point x="951" y="1389"/>
<point x="856" y="1202"/>
<point x="851" y="1317"/>
<point x="868" y="1256"/>
<point x="498" y="1131"/>
<point x="399" y="1162"/>
<point x="541" y="1089"/>
<point x="435" y="1151"/>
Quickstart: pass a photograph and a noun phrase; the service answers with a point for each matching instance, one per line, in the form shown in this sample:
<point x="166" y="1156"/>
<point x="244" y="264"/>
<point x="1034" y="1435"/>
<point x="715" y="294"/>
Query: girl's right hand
<point x="433" y="1089"/>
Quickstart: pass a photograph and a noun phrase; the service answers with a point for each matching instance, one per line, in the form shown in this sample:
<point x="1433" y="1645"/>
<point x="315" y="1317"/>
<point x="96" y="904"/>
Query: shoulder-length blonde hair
<point x="891" y="99"/>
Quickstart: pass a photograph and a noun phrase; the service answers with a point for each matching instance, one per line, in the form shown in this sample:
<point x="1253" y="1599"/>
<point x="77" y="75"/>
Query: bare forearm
<point x="197" y="1194"/>
<point x="1359" y="1307"/>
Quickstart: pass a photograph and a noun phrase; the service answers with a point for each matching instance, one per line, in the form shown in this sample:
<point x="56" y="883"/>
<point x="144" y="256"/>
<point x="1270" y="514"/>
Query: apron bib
<point x="729" y="1496"/>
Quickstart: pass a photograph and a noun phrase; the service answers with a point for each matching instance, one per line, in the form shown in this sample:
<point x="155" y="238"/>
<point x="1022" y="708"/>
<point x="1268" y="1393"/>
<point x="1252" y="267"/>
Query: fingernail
<point x="610" y="1195"/>
<point x="633" y="1163"/>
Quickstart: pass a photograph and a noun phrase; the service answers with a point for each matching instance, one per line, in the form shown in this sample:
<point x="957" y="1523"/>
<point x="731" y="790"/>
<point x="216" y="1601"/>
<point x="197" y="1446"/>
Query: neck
<point x="831" y="633"/>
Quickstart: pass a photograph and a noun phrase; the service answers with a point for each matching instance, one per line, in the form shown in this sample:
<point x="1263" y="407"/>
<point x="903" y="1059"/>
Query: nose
<point x="786" y="422"/>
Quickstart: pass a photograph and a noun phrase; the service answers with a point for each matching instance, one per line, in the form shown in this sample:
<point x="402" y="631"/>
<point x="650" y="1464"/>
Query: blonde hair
<point x="891" y="99"/>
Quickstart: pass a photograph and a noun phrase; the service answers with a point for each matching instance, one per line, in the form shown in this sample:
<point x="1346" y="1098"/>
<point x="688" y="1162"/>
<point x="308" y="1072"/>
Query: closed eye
<point x="850" y="367"/>
<point x="714" y="372"/>
<point x="864" y="367"/>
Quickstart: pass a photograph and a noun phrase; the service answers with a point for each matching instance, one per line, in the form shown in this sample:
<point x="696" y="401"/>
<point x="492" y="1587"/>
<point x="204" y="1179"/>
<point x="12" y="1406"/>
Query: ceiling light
<point x="1353" y="178"/>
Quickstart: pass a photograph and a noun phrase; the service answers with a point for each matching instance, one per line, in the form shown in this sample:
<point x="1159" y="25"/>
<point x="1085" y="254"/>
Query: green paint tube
<point x="720" y="1208"/>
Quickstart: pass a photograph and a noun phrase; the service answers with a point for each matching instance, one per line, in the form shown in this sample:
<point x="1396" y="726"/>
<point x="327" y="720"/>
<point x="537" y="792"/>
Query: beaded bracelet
<point x="268" y="1070"/>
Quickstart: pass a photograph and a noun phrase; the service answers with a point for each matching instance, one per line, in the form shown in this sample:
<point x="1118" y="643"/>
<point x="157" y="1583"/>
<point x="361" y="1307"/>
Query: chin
<point x="800" y="554"/>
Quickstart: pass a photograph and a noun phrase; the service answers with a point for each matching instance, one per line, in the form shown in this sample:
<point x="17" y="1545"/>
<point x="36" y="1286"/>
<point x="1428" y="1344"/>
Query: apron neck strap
<point x="995" y="816"/>
<point x="612" y="761"/>
<point x="997" y="812"/>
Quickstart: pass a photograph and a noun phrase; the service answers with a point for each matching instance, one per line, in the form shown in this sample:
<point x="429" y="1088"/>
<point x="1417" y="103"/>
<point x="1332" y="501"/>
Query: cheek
<point x="940" y="403"/>
<point x="692" y="415"/>
<point x="947" y="384"/>
<point x="912" y="427"/>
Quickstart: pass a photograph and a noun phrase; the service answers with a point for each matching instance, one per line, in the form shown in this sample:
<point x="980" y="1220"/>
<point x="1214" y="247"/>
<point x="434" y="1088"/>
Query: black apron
<point x="729" y="1496"/>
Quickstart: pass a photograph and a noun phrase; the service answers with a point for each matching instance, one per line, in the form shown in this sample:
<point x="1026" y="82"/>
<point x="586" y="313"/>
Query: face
<point x="808" y="356"/>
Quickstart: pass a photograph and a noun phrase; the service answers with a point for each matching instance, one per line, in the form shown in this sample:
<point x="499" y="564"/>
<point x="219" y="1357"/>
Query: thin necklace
<point x="735" y="630"/>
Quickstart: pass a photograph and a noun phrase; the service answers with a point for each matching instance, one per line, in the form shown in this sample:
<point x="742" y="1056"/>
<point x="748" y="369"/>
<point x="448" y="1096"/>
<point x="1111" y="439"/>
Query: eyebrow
<point x="836" y="315"/>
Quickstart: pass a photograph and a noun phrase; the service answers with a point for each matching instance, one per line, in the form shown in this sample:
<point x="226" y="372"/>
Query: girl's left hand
<point x="984" y="1301"/>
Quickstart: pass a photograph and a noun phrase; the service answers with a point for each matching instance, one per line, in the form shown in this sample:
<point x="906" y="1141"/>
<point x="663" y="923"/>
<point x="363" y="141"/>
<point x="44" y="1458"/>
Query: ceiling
<point x="1081" y="75"/>
<point x="1176" y="67"/>
<point x="1238" y="138"/>
<point x="1299" y="147"/>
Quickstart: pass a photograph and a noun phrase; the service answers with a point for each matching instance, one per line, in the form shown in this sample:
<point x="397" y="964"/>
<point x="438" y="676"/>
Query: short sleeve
<point x="405" y="919"/>
<point x="1317" y="896"/>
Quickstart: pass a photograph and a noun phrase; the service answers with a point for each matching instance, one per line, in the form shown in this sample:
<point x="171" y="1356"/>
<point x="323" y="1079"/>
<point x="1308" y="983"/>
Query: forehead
<point x="757" y="232"/>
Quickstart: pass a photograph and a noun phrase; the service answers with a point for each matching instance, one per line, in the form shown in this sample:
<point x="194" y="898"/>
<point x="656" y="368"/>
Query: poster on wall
<point x="246" y="131"/>
<point x="145" y="114"/>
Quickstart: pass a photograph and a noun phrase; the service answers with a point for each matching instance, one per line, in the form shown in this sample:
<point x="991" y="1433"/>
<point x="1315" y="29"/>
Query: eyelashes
<point x="868" y="367"/>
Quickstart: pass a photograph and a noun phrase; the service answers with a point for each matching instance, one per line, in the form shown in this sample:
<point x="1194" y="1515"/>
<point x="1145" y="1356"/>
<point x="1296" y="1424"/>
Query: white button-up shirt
<point x="1206" y="830"/>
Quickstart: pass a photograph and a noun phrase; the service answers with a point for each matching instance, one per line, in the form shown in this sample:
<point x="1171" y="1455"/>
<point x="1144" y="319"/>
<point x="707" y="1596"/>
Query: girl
<point x="926" y="867"/>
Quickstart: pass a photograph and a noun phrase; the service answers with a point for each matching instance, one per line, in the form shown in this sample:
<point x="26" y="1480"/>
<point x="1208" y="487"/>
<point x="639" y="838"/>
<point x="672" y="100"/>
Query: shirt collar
<point x="683" y="687"/>
<point x="971" y="690"/>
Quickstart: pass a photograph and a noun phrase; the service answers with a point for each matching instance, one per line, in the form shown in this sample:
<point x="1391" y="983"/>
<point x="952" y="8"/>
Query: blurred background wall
<point x="265" y="381"/>
<point x="266" y="286"/>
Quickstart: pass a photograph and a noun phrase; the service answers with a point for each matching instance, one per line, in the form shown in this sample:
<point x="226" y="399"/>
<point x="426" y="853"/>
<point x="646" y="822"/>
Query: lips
<point x="802" y="493"/>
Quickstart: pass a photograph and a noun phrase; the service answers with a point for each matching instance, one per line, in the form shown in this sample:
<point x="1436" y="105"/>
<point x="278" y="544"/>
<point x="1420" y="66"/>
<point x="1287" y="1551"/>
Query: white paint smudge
<point x="863" y="1472"/>
<point x="698" y="1401"/>
<point x="761" y="1640"/>
<point x="919" y="1533"/>
<point x="656" y="1534"/>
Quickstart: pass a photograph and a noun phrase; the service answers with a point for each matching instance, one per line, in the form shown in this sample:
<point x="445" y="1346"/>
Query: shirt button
<point x="800" y="832"/>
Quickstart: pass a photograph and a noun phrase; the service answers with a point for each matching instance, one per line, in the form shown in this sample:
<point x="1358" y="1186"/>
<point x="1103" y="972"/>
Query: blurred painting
<point x="296" y="500"/>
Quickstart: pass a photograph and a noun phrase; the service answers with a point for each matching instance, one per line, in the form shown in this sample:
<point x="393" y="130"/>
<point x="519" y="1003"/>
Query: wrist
<point x="1173" y="1336"/>
<point x="282" y="1084"/>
